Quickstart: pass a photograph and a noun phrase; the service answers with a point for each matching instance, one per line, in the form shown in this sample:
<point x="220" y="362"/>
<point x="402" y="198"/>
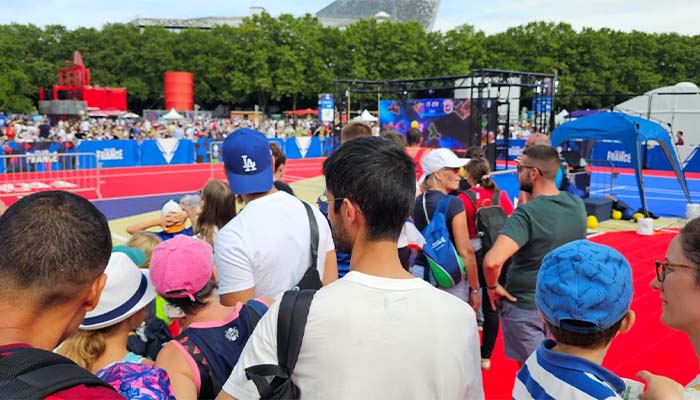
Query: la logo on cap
<point x="248" y="164"/>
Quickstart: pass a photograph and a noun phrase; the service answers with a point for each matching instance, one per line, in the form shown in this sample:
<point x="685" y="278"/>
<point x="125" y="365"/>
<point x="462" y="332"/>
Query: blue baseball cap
<point x="248" y="161"/>
<point x="583" y="281"/>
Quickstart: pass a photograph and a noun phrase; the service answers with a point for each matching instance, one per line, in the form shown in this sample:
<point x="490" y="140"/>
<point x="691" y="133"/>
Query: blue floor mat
<point x="664" y="195"/>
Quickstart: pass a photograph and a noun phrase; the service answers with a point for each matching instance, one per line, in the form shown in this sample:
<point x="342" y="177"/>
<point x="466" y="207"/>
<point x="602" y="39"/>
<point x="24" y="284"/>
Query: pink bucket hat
<point x="181" y="266"/>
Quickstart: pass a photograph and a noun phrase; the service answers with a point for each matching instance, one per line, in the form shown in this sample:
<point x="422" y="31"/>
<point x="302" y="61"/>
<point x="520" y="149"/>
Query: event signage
<point x="167" y="151"/>
<point x="110" y="153"/>
<point x="326" y="107"/>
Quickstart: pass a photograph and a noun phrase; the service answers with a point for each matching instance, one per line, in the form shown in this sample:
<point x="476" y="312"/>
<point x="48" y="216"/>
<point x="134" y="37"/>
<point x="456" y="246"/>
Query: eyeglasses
<point x="662" y="267"/>
<point x="337" y="204"/>
<point x="521" y="167"/>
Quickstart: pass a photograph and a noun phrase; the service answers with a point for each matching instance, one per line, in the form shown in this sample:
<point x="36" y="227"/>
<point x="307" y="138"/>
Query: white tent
<point x="130" y="115"/>
<point x="366" y="116"/>
<point x="676" y="107"/>
<point x="173" y="115"/>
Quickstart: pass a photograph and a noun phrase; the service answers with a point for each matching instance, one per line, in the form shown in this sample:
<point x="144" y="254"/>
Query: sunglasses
<point x="455" y="170"/>
<point x="663" y="266"/>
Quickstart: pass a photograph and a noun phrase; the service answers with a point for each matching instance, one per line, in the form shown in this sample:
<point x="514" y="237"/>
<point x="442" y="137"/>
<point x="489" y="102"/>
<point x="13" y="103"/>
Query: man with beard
<point x="378" y="332"/>
<point x="550" y="219"/>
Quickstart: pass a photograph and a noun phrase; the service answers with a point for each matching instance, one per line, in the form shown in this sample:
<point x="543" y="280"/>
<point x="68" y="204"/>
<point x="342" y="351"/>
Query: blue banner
<point x="303" y="147"/>
<point x="167" y="151"/>
<point x="111" y="153"/>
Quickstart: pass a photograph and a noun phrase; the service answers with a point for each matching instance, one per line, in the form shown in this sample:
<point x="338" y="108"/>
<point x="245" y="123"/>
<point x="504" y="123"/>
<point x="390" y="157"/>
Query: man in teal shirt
<point x="550" y="219"/>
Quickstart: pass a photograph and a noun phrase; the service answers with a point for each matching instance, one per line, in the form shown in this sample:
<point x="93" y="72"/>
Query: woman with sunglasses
<point x="440" y="177"/>
<point x="678" y="281"/>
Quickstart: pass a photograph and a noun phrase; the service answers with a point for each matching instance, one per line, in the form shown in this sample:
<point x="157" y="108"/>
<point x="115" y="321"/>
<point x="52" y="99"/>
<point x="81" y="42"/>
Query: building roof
<point x="338" y="14"/>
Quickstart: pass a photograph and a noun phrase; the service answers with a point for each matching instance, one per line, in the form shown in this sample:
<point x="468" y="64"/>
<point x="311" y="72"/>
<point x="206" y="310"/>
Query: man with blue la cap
<point x="583" y="294"/>
<point x="266" y="249"/>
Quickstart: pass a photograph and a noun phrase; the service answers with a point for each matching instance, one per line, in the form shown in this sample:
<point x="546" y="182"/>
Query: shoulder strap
<point x="471" y="196"/>
<point x="444" y="204"/>
<point x="36" y="373"/>
<point x="313" y="228"/>
<point x="425" y="210"/>
<point x="495" y="197"/>
<point x="291" y="324"/>
<point x="255" y="311"/>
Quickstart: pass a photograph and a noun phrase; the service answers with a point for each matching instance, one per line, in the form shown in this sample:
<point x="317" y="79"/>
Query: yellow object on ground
<point x="592" y="222"/>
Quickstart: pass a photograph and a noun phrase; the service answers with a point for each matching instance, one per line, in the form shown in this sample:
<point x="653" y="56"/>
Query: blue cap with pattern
<point x="584" y="287"/>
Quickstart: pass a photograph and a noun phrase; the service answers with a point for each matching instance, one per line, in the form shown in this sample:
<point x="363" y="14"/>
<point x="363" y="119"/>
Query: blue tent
<point x="633" y="132"/>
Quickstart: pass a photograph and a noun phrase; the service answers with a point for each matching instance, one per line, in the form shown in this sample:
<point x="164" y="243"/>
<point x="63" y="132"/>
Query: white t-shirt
<point x="267" y="246"/>
<point x="368" y="337"/>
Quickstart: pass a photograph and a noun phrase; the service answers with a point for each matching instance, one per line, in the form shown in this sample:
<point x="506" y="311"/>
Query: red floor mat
<point x="144" y="181"/>
<point x="649" y="345"/>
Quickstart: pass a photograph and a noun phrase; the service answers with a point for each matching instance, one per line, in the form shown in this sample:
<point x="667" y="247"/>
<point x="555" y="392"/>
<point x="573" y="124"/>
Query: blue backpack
<point x="444" y="261"/>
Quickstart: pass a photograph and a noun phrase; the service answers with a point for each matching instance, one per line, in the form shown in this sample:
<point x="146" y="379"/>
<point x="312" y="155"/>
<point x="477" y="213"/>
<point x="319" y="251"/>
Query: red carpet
<point x="649" y="345"/>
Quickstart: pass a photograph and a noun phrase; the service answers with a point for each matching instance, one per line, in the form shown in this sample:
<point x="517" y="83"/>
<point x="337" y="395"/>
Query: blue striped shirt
<point x="551" y="375"/>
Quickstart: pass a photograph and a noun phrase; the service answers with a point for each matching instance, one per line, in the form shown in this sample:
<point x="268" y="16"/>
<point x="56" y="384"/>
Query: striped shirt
<point x="551" y="375"/>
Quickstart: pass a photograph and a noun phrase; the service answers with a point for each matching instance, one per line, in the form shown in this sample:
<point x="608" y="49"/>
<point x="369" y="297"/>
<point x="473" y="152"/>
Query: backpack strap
<point x="471" y="196"/>
<point x="291" y="324"/>
<point x="311" y="278"/>
<point x="313" y="228"/>
<point x="443" y="205"/>
<point x="29" y="373"/>
<point x="496" y="197"/>
<point x="255" y="310"/>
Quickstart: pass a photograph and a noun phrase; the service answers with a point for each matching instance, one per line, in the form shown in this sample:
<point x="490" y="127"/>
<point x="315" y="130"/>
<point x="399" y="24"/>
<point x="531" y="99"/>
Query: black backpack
<point x="489" y="220"/>
<point x="28" y="373"/>
<point x="291" y="323"/>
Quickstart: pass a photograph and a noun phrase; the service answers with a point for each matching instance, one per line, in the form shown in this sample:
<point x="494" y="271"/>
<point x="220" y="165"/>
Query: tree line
<point x="290" y="60"/>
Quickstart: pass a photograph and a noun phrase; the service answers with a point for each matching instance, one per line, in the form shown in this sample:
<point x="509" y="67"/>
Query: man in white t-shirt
<point x="265" y="250"/>
<point x="378" y="333"/>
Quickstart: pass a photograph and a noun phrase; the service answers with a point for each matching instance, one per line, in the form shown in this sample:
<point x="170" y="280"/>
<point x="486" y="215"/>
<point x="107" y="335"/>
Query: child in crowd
<point x="583" y="293"/>
<point x="100" y="344"/>
<point x="146" y="242"/>
<point x="218" y="207"/>
<point x="172" y="220"/>
<point x="203" y="356"/>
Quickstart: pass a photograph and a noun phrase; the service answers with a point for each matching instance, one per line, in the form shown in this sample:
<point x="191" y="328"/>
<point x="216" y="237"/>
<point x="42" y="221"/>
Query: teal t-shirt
<point x="539" y="226"/>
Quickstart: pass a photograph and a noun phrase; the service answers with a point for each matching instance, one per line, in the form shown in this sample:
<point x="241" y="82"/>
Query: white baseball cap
<point x="438" y="159"/>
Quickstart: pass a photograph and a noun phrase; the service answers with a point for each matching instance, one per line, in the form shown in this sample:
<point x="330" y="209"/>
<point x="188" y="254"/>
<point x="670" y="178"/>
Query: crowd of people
<point x="285" y="299"/>
<point x="28" y="130"/>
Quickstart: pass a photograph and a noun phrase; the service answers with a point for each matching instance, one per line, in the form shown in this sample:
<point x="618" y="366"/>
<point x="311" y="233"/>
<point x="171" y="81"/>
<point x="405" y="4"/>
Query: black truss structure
<point x="481" y="83"/>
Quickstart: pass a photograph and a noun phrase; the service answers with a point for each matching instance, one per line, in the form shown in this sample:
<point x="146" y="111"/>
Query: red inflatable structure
<point x="179" y="90"/>
<point x="74" y="84"/>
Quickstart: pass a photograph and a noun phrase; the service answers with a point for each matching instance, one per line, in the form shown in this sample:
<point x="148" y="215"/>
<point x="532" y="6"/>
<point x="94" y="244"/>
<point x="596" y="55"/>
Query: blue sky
<point x="488" y="15"/>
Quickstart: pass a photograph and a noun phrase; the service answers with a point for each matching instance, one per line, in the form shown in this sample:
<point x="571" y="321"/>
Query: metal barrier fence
<point x="602" y="178"/>
<point x="29" y="173"/>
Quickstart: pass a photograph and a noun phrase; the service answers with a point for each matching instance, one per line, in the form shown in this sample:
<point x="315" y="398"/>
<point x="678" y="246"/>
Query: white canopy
<point x="366" y="116"/>
<point x="130" y="115"/>
<point x="676" y="107"/>
<point x="173" y="115"/>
